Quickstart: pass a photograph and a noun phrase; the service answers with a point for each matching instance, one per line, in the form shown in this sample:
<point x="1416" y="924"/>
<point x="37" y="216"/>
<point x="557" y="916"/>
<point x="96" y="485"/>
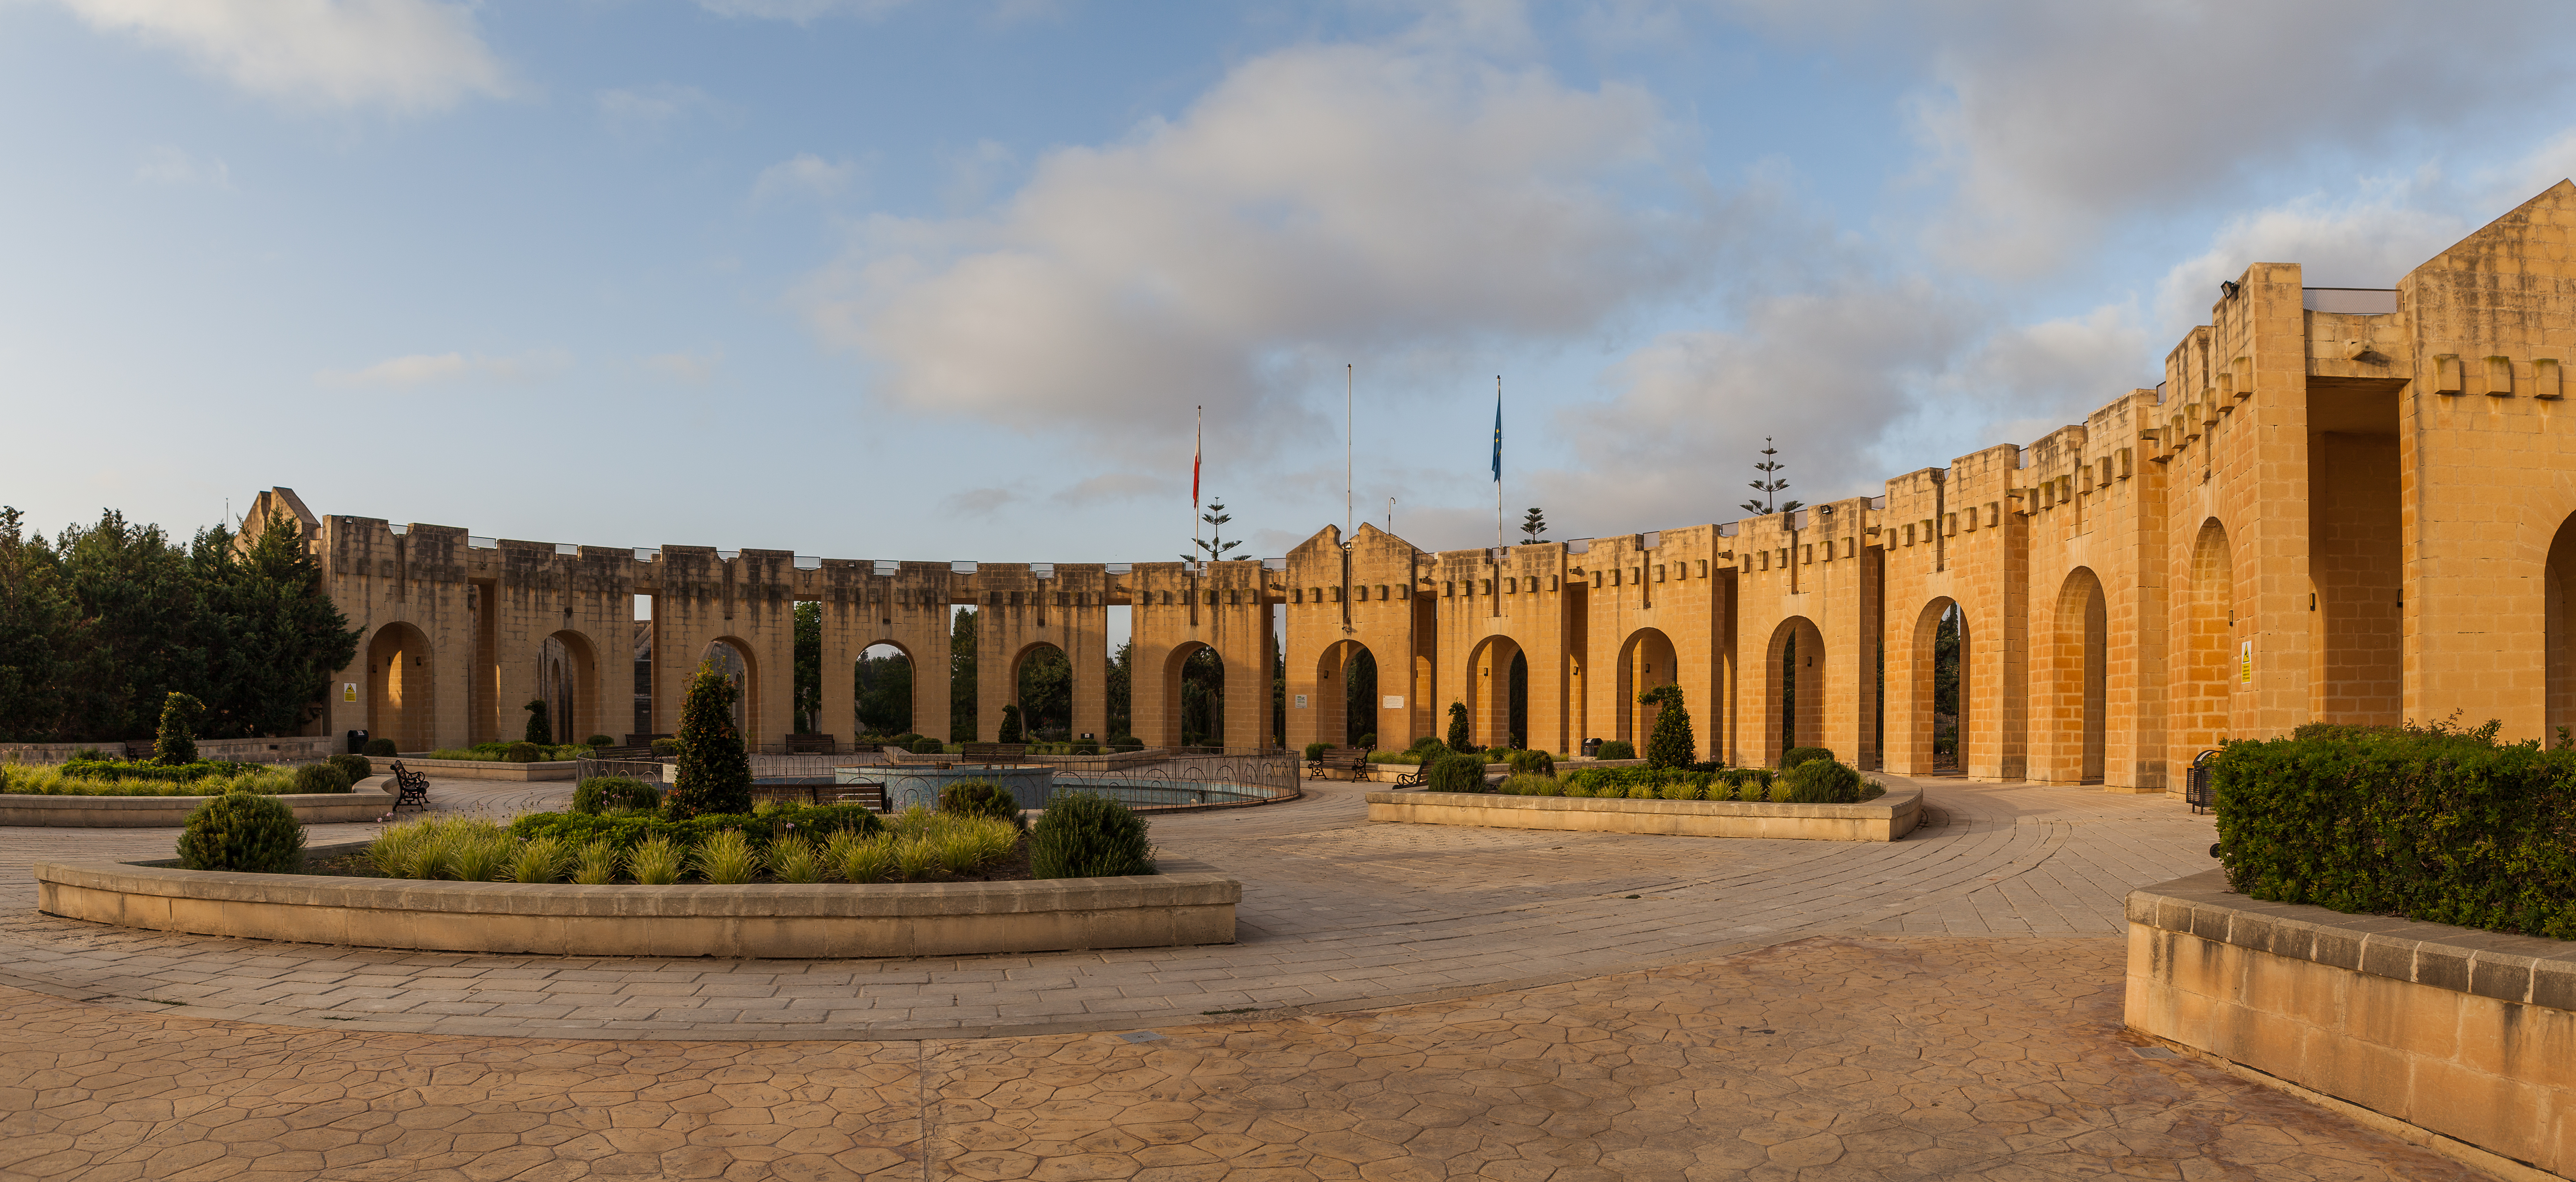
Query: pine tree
<point x="1459" y="739"/>
<point x="541" y="726"/>
<point x="714" y="773"/>
<point x="1770" y="482"/>
<point x="1010" y="732"/>
<point x="1672" y="744"/>
<point x="177" y="741"/>
<point x="270" y="634"/>
<point x="961" y="678"/>
<point x="38" y="629"/>
<point x="1212" y="548"/>
<point x="1534" y="527"/>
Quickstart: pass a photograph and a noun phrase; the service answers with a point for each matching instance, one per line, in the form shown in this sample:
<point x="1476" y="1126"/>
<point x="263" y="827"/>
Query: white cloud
<point x="692" y="368"/>
<point x="410" y="55"/>
<point x="1320" y="204"/>
<point x="166" y="165"/>
<point x="802" y="11"/>
<point x="2371" y="241"/>
<point x="979" y="502"/>
<point x="1117" y="486"/>
<point x="642" y="112"/>
<point x="807" y="175"/>
<point x="420" y="369"/>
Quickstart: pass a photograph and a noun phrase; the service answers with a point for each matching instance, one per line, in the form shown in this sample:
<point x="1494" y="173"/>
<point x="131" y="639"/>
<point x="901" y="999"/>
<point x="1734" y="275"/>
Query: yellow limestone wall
<point x="2329" y="510"/>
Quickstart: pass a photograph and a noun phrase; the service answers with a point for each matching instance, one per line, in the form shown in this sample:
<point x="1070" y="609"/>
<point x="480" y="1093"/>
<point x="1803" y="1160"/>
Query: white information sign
<point x="1393" y="702"/>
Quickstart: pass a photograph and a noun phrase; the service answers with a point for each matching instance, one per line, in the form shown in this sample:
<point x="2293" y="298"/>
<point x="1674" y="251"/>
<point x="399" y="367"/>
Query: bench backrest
<point x="1345" y="755"/>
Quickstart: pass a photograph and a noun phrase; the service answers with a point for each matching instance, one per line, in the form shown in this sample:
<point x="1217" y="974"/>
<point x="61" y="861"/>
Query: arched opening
<point x="1194" y="682"/>
<point x="2077" y="694"/>
<point x="401" y="696"/>
<point x="883" y="697"/>
<point x="2211" y="669"/>
<point x="1646" y="660"/>
<point x="1520" y="700"/>
<point x="1360" y="698"/>
<point x="566" y="664"/>
<point x="732" y="658"/>
<point x="2558" y="710"/>
<point x="1794" y="673"/>
<point x="1936" y="693"/>
<point x="1489" y="691"/>
<point x="1042" y="685"/>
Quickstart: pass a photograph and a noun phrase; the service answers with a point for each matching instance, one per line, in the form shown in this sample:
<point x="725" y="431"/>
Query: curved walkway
<point x="1338" y="915"/>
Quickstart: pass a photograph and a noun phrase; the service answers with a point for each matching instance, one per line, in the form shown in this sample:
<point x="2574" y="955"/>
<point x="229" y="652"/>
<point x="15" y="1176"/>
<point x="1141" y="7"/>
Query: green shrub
<point x="381" y="748"/>
<point x="1424" y="744"/>
<point x="1526" y="784"/>
<point x="1617" y="749"/>
<point x="928" y="747"/>
<point x="1010" y="732"/>
<point x="119" y="771"/>
<point x="600" y="795"/>
<point x="1823" y="781"/>
<point x="541" y="860"/>
<point x="355" y="767"/>
<point x="630" y="829"/>
<point x="1532" y="763"/>
<point x="1455" y="773"/>
<point x="793" y="860"/>
<point x="177" y="742"/>
<point x="1458" y="740"/>
<point x="522" y="753"/>
<point x="541" y="727"/>
<point x="1083" y="835"/>
<point x="979" y="798"/>
<point x="244" y="832"/>
<point x="1798" y="755"/>
<point x="714" y="774"/>
<point x="1366" y="742"/>
<point x="1680" y="789"/>
<point x="655" y="861"/>
<point x="1672" y="743"/>
<point x="599" y="741"/>
<point x="726" y="858"/>
<point x="2431" y="823"/>
<point x="595" y="863"/>
<point x="665" y="748"/>
<point x="1317" y="750"/>
<point x="320" y="778"/>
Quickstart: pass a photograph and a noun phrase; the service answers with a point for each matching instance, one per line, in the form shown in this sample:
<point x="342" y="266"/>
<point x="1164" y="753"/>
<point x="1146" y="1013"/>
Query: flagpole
<point x="1198" y="448"/>
<point x="1350" y="428"/>
<point x="1498" y="466"/>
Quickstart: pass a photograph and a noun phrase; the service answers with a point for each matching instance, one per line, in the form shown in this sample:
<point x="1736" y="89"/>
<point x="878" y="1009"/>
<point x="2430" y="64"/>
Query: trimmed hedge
<point x="1531" y="763"/>
<point x="601" y="795"/>
<point x="1086" y="835"/>
<point x="2430" y="823"/>
<point x="118" y="770"/>
<point x="982" y="798"/>
<point x="243" y="832"/>
<point x="810" y="821"/>
<point x="1617" y="749"/>
<point x="1823" y="781"/>
<point x="381" y="747"/>
<point x="320" y="778"/>
<point x="1798" y="755"/>
<point x="356" y="767"/>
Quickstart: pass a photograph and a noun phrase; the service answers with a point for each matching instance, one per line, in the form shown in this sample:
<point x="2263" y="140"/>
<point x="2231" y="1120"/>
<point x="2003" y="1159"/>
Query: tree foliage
<point x="99" y="626"/>
<point x="961" y="678"/>
<point x="714" y="772"/>
<point x="808" y="688"/>
<point x="1672" y="744"/>
<point x="884" y="694"/>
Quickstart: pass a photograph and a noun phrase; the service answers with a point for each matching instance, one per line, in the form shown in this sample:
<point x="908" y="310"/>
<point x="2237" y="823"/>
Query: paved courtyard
<point x="1406" y="1002"/>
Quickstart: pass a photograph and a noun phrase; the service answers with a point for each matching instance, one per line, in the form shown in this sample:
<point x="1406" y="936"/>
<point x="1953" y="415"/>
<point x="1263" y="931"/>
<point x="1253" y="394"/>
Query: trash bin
<point x="357" y="742"/>
<point x="1592" y="749"/>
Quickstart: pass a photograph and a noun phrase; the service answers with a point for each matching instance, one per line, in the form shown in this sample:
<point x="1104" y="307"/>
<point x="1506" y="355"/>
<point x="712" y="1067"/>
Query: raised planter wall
<point x="368" y="800"/>
<point x="1885" y="819"/>
<point x="303" y="749"/>
<point x="2458" y="1033"/>
<point x="755" y="920"/>
<point x="476" y="769"/>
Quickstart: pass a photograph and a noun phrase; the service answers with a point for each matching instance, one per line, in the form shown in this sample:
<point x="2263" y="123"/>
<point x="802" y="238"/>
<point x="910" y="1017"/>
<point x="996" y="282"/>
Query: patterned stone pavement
<point x="1338" y="914"/>
<point x="1852" y="1057"/>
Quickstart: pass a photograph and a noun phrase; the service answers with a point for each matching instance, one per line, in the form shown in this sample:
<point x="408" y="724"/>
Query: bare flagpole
<point x="1198" y="448"/>
<point x="1350" y="428"/>
<point x="1498" y="464"/>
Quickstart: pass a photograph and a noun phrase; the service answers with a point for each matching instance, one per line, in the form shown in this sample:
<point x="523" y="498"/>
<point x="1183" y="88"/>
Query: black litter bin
<point x="357" y="742"/>
<point x="1592" y="749"/>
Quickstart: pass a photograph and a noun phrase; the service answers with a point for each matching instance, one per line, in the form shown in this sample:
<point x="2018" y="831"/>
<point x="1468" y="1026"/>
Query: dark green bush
<point x="714" y="773"/>
<point x="244" y="832"/>
<point x="1083" y="835"/>
<point x="381" y="747"/>
<point x="1532" y="763"/>
<point x="1010" y="732"/>
<point x="1710" y="783"/>
<point x="1798" y="755"/>
<point x="600" y="795"/>
<point x="905" y="740"/>
<point x="1454" y="773"/>
<point x="1458" y="740"/>
<point x="2430" y="823"/>
<point x="522" y="753"/>
<point x="1672" y="744"/>
<point x="928" y="747"/>
<point x="979" y="798"/>
<point x="625" y="830"/>
<point x="665" y="748"/>
<point x="1127" y="743"/>
<point x="1823" y="781"/>
<point x="1317" y="750"/>
<point x="599" y="741"/>
<point x="1366" y="743"/>
<point x="355" y="767"/>
<point x="177" y="742"/>
<point x="320" y="777"/>
<point x="1425" y="743"/>
<point x="541" y="727"/>
<point x="1617" y="749"/>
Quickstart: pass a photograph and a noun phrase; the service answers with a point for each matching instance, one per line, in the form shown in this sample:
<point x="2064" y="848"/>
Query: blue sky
<point x="944" y="281"/>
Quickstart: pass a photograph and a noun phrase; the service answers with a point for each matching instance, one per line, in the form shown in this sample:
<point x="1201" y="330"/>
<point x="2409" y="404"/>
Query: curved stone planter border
<point x="760" y="920"/>
<point x="1885" y="819"/>
<point x="479" y="769"/>
<point x="367" y="801"/>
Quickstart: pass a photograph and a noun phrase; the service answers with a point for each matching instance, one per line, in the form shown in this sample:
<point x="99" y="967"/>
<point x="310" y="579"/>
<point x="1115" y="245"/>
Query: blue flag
<point x="1498" y="437"/>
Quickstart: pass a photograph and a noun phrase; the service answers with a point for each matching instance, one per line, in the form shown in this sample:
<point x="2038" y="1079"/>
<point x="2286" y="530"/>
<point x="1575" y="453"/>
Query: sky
<point x="952" y="281"/>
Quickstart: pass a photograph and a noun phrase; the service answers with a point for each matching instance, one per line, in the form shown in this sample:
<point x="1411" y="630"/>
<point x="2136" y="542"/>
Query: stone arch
<point x="734" y="657"/>
<point x="912" y="704"/>
<point x="402" y="677"/>
<point x="2208" y="675"/>
<point x="1030" y="721"/>
<point x="2558" y="708"/>
<point x="1795" y="707"/>
<point x="568" y="682"/>
<point x="1206" y="721"/>
<point x="1922" y="742"/>
<point x="2072" y="698"/>
<point x="1489" y="690"/>
<point x="1646" y="659"/>
<point x="1336" y="720"/>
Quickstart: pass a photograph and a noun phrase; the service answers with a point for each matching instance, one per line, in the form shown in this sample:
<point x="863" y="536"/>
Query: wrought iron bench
<point x="410" y="787"/>
<point x="1353" y="760"/>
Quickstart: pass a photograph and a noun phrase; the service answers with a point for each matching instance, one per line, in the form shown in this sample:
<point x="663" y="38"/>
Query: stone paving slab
<point x="1830" y="1058"/>
<point x="1338" y="913"/>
